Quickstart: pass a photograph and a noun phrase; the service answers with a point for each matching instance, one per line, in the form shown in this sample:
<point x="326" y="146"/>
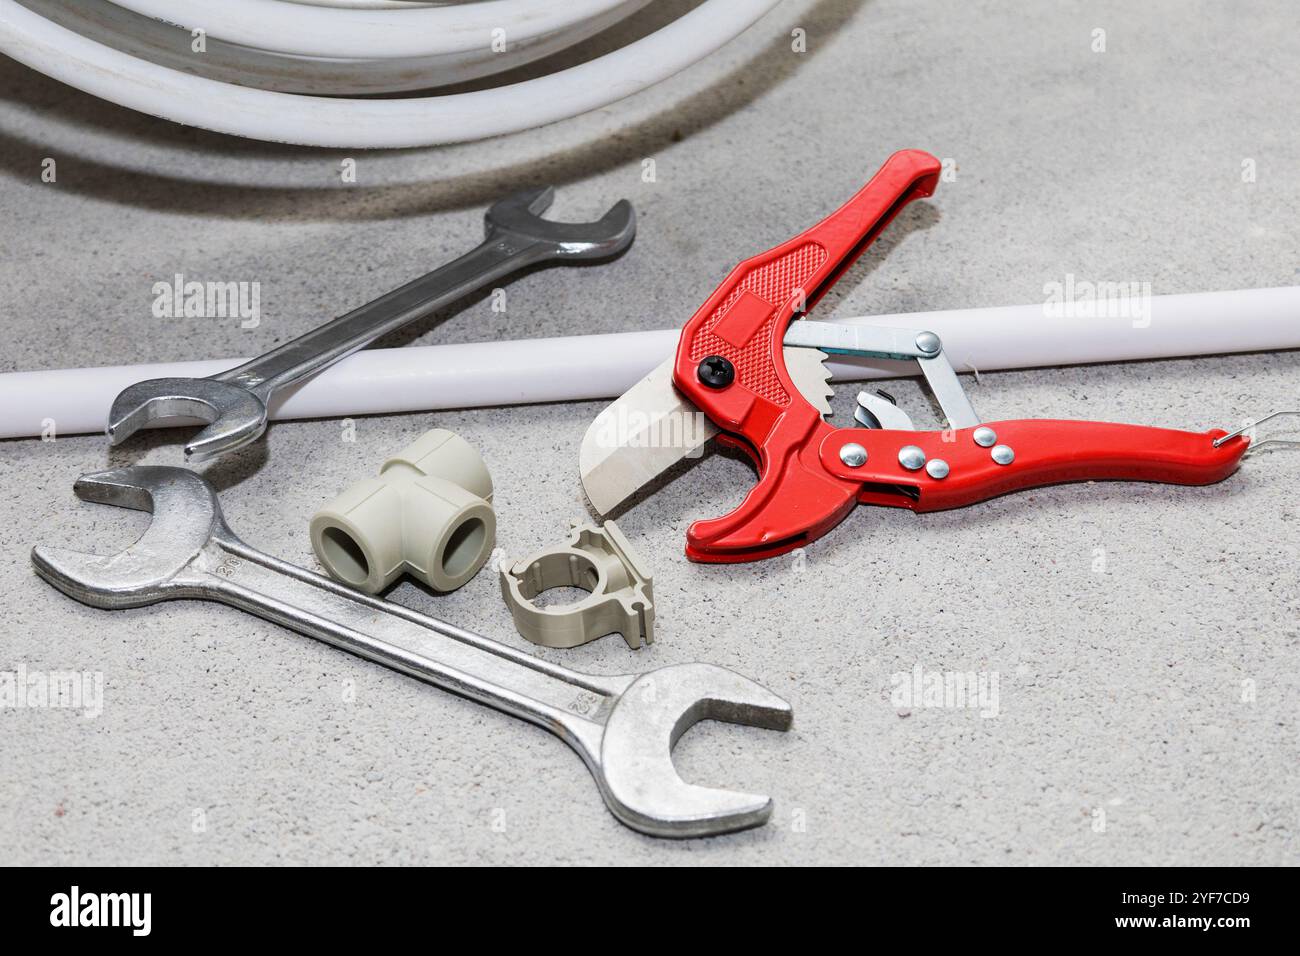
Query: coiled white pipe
<point x="166" y="45"/>
<point x="311" y="30"/>
<point x="369" y="37"/>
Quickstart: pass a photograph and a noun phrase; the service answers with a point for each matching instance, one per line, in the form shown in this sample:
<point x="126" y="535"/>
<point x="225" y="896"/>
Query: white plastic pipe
<point x="140" y="84"/>
<point x="584" y="367"/>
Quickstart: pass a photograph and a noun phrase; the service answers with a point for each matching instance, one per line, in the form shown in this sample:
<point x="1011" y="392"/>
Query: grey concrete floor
<point x="1144" y="638"/>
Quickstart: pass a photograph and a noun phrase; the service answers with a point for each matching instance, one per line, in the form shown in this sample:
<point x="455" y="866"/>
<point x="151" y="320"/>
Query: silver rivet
<point x="936" y="468"/>
<point x="911" y="457"/>
<point x="1003" y="454"/>
<point x="985" y="436"/>
<point x="853" y="454"/>
<point x="928" y="343"/>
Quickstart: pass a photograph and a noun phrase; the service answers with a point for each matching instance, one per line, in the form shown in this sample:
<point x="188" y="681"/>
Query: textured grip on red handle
<point x="745" y="319"/>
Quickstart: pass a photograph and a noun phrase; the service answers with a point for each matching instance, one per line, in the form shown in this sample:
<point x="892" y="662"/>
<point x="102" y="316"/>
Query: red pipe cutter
<point x="743" y="360"/>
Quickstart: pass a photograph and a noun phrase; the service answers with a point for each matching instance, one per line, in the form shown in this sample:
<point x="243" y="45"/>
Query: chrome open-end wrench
<point x="623" y="726"/>
<point x="234" y="402"/>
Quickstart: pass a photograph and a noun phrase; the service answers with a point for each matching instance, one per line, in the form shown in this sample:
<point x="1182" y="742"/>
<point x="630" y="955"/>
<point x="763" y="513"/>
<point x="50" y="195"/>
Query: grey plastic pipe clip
<point x="599" y="560"/>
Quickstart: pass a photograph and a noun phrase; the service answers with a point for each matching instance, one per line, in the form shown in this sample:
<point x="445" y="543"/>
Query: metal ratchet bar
<point x="887" y="342"/>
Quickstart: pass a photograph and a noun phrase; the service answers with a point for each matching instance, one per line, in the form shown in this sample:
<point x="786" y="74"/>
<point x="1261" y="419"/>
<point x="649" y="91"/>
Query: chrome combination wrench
<point x="623" y="727"/>
<point x="234" y="402"/>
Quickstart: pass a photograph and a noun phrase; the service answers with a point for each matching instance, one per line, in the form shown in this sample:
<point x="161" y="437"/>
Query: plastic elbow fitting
<point x="428" y="514"/>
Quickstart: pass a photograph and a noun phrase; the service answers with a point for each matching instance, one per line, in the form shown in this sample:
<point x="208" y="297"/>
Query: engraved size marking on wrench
<point x="584" y="703"/>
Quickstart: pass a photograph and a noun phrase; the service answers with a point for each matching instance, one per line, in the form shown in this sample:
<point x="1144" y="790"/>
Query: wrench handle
<point x="495" y="258"/>
<point x="430" y="650"/>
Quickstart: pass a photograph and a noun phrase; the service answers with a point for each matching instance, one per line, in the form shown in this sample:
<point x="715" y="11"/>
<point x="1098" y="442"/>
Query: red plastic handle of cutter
<point x="744" y="322"/>
<point x="1047" y="452"/>
<point x="815" y="490"/>
<point x="804" y="489"/>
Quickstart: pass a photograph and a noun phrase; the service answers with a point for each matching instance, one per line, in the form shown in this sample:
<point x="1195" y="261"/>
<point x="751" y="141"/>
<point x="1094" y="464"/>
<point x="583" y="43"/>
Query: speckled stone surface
<point x="1144" y="638"/>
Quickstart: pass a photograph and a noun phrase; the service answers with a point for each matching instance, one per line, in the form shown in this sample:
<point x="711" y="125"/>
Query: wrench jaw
<point x="519" y="218"/>
<point x="229" y="433"/>
<point x="235" y="416"/>
<point x="636" y="772"/>
<point x="186" y="517"/>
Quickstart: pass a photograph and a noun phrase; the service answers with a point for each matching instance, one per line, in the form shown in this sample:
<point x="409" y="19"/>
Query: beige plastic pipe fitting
<point x="428" y="514"/>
